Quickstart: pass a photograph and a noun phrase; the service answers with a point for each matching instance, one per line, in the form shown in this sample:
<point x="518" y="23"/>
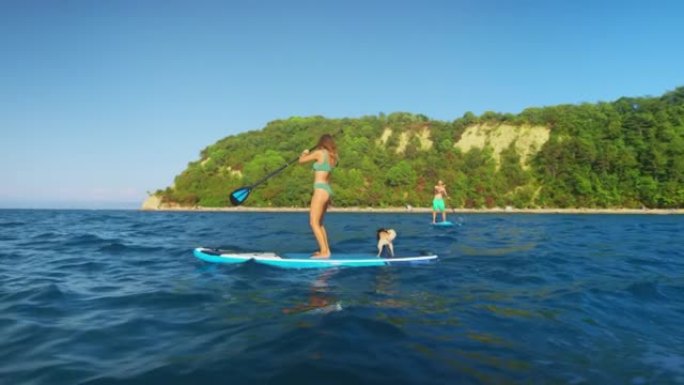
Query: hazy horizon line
<point x="68" y="204"/>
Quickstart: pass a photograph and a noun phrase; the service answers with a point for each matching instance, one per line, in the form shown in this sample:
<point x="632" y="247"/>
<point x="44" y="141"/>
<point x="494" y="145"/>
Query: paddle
<point x="240" y="195"/>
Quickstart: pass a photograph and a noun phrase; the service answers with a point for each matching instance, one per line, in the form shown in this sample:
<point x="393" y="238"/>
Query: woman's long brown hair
<point x="327" y="142"/>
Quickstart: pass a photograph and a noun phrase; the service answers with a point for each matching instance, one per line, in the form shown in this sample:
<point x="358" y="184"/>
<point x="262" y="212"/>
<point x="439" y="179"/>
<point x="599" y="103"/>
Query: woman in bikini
<point x="325" y="157"/>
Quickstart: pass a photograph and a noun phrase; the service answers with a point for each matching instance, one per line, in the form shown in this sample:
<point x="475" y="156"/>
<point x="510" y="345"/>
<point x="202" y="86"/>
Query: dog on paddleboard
<point x="385" y="238"/>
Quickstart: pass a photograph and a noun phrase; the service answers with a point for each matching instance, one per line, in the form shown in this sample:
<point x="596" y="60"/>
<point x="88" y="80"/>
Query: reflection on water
<point x="321" y="299"/>
<point x="386" y="291"/>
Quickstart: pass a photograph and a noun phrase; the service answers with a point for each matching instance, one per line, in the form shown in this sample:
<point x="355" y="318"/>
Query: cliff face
<point x="526" y="139"/>
<point x="153" y="202"/>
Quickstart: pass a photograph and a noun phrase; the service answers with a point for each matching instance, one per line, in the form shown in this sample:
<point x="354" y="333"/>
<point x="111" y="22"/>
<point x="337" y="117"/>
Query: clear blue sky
<point x="101" y="101"/>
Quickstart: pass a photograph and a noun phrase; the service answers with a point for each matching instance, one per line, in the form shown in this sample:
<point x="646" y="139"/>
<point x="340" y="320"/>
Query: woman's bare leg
<point x="325" y="233"/>
<point x="318" y="206"/>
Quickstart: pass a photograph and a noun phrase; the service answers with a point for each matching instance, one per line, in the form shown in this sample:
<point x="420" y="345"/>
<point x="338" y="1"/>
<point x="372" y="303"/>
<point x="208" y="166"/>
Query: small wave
<point x="150" y="300"/>
<point x="117" y="248"/>
<point x="646" y="291"/>
<point x="645" y="261"/>
<point x="47" y="235"/>
<point x="85" y="240"/>
<point x="12" y="224"/>
<point x="356" y="326"/>
<point x="46" y="294"/>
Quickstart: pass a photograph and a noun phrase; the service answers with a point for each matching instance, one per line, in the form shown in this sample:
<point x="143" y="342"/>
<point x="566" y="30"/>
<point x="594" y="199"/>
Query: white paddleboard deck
<point x="302" y="260"/>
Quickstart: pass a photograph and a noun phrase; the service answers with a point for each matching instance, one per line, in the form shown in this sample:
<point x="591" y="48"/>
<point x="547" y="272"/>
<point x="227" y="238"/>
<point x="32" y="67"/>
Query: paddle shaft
<point x="276" y="171"/>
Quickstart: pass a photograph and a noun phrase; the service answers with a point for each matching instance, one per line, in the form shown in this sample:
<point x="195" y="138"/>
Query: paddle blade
<point x="240" y="195"/>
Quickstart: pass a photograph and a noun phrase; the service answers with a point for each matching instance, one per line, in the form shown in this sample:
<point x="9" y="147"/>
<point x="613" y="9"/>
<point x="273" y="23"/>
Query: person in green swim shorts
<point x="438" y="201"/>
<point x="325" y="159"/>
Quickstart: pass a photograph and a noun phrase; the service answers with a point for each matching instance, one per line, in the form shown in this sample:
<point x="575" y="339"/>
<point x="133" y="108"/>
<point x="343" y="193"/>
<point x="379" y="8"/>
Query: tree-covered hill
<point x="628" y="153"/>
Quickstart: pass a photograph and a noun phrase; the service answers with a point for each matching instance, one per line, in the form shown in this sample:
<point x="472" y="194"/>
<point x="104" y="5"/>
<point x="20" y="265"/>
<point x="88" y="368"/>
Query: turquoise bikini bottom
<point x="323" y="186"/>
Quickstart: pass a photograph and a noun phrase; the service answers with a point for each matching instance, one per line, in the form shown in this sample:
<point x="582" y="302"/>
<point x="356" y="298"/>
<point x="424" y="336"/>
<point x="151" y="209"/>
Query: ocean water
<point x="116" y="297"/>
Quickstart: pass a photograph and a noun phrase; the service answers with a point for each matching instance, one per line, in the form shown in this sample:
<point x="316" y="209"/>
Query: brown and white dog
<point x="385" y="238"/>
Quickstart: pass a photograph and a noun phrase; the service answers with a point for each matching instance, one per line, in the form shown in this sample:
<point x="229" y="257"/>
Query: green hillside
<point x="628" y="154"/>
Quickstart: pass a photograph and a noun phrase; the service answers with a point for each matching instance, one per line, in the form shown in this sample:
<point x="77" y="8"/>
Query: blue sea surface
<point x="116" y="297"/>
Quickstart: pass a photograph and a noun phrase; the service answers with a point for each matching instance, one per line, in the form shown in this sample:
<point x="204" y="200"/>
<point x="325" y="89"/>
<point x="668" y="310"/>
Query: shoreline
<point x="425" y="210"/>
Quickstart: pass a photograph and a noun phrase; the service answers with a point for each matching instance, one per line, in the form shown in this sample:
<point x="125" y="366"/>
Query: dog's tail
<point x="380" y="230"/>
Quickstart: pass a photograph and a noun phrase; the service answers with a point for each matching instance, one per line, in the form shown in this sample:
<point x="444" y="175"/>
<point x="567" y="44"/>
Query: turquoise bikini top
<point x="325" y="166"/>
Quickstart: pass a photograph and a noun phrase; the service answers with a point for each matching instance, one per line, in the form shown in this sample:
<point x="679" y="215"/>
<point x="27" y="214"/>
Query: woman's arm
<point x="307" y="156"/>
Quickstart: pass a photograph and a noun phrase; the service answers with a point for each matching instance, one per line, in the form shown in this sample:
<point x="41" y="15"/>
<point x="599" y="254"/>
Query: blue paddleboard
<point x="444" y="224"/>
<point x="304" y="261"/>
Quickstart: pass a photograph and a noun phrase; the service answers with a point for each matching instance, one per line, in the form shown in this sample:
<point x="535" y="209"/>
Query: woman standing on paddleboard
<point x="325" y="157"/>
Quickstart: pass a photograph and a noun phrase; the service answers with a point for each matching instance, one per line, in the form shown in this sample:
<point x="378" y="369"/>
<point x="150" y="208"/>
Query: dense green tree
<point x="401" y="175"/>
